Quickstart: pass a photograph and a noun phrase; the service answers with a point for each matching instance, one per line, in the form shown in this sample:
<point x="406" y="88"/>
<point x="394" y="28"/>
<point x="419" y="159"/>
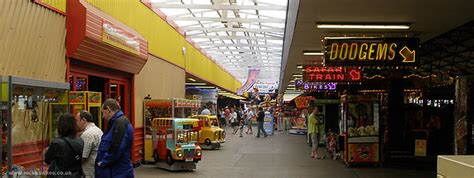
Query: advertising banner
<point x="251" y="79"/>
<point x="355" y="51"/>
<point x="268" y="123"/>
<point x="266" y="87"/>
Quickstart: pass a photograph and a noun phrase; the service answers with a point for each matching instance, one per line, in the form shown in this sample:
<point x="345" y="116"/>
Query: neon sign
<point x="370" y="51"/>
<point x="315" y="86"/>
<point x="331" y="74"/>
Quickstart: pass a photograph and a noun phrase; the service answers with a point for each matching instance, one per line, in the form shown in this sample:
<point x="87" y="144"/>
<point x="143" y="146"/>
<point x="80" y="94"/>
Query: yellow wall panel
<point x="160" y="79"/>
<point x="164" y="41"/>
<point x="57" y="4"/>
<point x="32" y="41"/>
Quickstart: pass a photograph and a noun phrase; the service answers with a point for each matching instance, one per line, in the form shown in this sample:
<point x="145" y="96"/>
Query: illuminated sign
<point x="315" y="86"/>
<point x="120" y="38"/>
<point x="370" y="51"/>
<point x="331" y="74"/>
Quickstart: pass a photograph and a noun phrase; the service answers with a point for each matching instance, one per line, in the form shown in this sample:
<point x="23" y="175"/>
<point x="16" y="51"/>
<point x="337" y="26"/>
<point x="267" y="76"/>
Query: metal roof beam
<point x="212" y="29"/>
<point x="206" y="45"/>
<point x="245" y="50"/>
<point x="223" y="19"/>
<point x="237" y="37"/>
<point x="218" y="7"/>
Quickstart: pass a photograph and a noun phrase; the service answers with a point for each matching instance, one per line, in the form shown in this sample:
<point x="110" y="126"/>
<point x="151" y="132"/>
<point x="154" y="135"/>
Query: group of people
<point x="240" y="119"/>
<point x="83" y="150"/>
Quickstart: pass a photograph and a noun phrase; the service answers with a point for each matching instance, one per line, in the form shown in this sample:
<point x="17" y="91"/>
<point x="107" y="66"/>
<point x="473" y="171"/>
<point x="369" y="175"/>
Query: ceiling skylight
<point x="237" y="34"/>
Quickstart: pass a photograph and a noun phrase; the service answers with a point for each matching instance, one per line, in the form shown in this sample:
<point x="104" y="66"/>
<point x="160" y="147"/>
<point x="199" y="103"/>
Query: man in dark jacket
<point x="260" y="117"/>
<point x="113" y="156"/>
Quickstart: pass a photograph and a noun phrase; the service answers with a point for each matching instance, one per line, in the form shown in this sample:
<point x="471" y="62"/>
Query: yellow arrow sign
<point x="408" y="55"/>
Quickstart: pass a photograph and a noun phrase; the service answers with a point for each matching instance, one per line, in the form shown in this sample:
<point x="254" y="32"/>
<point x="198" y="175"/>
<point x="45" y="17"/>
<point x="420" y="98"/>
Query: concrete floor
<point x="280" y="155"/>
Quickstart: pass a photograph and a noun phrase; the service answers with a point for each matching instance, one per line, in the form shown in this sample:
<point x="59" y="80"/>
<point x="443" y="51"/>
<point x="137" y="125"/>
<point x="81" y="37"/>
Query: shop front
<point x="103" y="55"/>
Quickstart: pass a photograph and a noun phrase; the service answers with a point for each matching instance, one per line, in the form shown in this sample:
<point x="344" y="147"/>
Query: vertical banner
<point x="462" y="136"/>
<point x="268" y="123"/>
<point x="251" y="79"/>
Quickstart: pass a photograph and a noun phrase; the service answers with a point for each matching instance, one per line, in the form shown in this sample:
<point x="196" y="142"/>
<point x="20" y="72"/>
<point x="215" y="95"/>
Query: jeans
<point x="260" y="127"/>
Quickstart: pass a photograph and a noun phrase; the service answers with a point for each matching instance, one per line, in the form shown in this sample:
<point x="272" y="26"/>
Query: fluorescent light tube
<point x="313" y="53"/>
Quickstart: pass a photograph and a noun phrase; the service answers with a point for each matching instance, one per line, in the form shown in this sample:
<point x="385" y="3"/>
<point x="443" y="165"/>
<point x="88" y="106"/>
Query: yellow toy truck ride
<point x="212" y="135"/>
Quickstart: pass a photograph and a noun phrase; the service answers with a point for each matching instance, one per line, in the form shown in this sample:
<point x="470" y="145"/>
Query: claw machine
<point x="89" y="101"/>
<point x="164" y="108"/>
<point x="26" y="108"/>
<point x="360" y="128"/>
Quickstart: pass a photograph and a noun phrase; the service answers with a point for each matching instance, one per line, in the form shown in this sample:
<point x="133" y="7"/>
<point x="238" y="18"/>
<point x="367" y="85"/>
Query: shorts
<point x="315" y="141"/>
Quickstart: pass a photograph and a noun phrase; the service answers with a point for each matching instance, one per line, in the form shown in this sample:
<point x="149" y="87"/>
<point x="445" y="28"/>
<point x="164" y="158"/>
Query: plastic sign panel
<point x="331" y="74"/>
<point x="120" y="38"/>
<point x="349" y="51"/>
<point x="315" y="86"/>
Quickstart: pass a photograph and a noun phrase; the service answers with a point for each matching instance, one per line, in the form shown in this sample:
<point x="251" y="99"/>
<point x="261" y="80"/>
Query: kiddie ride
<point x="211" y="135"/>
<point x="175" y="145"/>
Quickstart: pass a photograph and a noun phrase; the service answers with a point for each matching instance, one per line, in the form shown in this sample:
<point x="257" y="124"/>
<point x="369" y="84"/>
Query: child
<point x="331" y="144"/>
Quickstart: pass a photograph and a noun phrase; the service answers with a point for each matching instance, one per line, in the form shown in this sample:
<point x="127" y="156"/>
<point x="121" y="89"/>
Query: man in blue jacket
<point x="113" y="157"/>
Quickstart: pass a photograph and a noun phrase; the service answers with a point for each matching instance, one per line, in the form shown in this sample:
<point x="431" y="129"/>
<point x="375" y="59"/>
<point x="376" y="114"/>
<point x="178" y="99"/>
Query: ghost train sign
<point x="348" y="51"/>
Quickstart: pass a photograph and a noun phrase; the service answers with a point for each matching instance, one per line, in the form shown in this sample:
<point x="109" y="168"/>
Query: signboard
<point x="331" y="74"/>
<point x="420" y="147"/>
<point x="268" y="123"/>
<point x="251" y="79"/>
<point x="348" y="51"/>
<point x="120" y="38"/>
<point x="315" y="86"/>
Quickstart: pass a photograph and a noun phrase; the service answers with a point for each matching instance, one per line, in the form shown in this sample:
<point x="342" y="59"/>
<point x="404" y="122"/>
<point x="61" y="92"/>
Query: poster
<point x="363" y="152"/>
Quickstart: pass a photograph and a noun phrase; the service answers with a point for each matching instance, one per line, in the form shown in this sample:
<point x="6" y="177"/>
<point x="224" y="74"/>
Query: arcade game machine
<point x="89" y="101"/>
<point x="360" y="128"/>
<point x="26" y="108"/>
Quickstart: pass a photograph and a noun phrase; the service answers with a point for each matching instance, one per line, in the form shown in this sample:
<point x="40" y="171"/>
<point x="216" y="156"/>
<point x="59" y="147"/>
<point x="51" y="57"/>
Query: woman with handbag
<point x="64" y="155"/>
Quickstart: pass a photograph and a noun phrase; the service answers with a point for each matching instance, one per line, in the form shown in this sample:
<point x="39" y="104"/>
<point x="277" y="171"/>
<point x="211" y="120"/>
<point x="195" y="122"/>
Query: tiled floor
<point x="280" y="155"/>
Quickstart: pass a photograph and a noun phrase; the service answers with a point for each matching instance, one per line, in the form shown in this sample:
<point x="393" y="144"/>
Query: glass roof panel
<point x="237" y="39"/>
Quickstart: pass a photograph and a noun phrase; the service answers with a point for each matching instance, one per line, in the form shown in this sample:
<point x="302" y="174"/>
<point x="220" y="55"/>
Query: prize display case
<point x="169" y="108"/>
<point x="27" y="107"/>
<point x="89" y="101"/>
<point x="360" y="127"/>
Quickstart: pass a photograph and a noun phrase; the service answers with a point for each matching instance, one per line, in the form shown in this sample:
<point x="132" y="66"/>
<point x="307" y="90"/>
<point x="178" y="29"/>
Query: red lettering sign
<point x="331" y="74"/>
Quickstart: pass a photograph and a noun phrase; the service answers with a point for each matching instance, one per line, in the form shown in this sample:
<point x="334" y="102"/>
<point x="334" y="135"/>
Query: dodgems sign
<point x="348" y="51"/>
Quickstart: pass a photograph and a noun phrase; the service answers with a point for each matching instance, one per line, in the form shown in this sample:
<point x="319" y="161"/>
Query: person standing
<point x="313" y="130"/>
<point x="91" y="135"/>
<point x="205" y="111"/>
<point x="260" y="117"/>
<point x="113" y="156"/>
<point x="63" y="156"/>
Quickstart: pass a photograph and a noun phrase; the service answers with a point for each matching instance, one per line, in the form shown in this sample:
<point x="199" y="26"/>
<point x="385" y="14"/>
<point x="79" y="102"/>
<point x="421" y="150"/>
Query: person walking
<point x="63" y="156"/>
<point x="113" y="156"/>
<point x="234" y="122"/>
<point x="313" y="130"/>
<point x="260" y="117"/>
<point x="91" y="135"/>
<point x="248" y="119"/>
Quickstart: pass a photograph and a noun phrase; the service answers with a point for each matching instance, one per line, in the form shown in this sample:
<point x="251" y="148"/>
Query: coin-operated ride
<point x="211" y="135"/>
<point x="175" y="143"/>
